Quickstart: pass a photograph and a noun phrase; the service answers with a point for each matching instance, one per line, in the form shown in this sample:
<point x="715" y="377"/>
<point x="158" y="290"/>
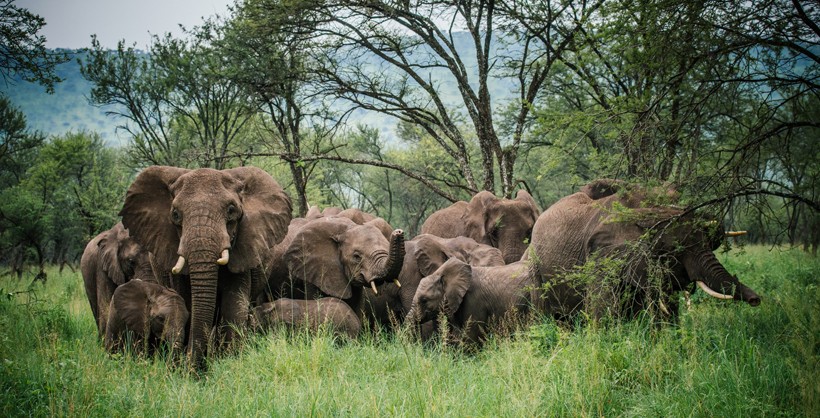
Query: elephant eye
<point x="176" y="217"/>
<point x="232" y="211"/>
<point x="357" y="257"/>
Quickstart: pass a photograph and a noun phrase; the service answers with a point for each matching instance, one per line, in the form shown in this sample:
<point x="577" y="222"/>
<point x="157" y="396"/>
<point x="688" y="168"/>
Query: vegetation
<point x="721" y="359"/>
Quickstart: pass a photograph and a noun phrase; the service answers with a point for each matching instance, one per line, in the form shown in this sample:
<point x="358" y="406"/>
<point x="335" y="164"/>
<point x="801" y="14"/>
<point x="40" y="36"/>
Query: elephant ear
<point x="430" y="254"/>
<point x="525" y="199"/>
<point x="108" y="249"/>
<point x="480" y="217"/>
<point x="266" y="215"/>
<point x="457" y="277"/>
<point x="146" y="213"/>
<point x="314" y="257"/>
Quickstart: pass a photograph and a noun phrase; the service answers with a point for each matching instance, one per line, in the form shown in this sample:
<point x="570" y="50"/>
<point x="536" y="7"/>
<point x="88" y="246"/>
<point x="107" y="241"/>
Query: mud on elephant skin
<point x="111" y="259"/>
<point x="423" y="255"/>
<point x="146" y="315"/>
<point x="627" y="225"/>
<point x="502" y="223"/>
<point x="309" y="314"/>
<point x="207" y="229"/>
<point x="474" y="298"/>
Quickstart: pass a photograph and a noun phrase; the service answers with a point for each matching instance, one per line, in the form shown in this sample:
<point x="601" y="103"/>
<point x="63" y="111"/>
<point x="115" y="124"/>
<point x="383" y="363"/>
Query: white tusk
<point x="396" y="282"/>
<point x="179" y="266"/>
<point x="736" y="233"/>
<point x="711" y="292"/>
<point x="373" y="286"/>
<point x="224" y="259"/>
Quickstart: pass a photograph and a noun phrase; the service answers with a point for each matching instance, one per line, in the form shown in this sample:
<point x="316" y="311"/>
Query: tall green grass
<point x="721" y="359"/>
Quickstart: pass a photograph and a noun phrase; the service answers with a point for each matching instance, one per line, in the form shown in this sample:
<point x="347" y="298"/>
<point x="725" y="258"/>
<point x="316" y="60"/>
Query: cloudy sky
<point x="70" y="23"/>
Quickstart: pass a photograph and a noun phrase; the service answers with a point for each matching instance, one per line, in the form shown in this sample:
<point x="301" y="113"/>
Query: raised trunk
<point x="395" y="259"/>
<point x="705" y="267"/>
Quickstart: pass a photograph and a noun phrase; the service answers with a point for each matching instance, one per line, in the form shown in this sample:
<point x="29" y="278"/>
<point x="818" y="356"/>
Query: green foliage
<point x="721" y="359"/>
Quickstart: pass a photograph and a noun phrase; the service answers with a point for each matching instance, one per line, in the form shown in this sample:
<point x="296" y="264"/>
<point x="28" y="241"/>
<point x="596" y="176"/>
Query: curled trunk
<point x="395" y="259"/>
<point x="706" y="268"/>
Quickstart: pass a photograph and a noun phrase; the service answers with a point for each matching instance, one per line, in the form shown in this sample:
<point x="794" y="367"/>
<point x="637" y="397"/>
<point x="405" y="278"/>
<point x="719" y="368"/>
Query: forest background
<point x="400" y="108"/>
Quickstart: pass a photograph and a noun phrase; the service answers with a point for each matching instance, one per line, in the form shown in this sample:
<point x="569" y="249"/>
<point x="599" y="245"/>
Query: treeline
<point x="719" y="100"/>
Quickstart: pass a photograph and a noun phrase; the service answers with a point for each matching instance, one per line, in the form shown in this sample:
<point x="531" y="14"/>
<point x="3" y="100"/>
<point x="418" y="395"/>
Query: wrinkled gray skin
<point x="146" y="314"/>
<point x="584" y="226"/>
<point x="423" y="255"/>
<point x="111" y="259"/>
<point x="188" y="219"/>
<point x="310" y="314"/>
<point x="332" y="244"/>
<point x="505" y="224"/>
<point x="473" y="298"/>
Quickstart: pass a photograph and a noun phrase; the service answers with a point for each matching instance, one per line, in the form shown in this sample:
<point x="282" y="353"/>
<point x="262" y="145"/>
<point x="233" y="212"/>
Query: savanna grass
<point x="720" y="359"/>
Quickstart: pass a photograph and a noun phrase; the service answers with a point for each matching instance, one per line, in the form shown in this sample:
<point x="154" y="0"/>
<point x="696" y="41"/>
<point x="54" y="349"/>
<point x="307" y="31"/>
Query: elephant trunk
<point x="395" y="259"/>
<point x="512" y="248"/>
<point x="203" y="302"/>
<point x="707" y="270"/>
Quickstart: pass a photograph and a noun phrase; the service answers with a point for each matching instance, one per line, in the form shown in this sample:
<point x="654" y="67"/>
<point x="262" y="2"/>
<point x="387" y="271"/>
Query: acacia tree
<point x="177" y="104"/>
<point x="430" y="63"/>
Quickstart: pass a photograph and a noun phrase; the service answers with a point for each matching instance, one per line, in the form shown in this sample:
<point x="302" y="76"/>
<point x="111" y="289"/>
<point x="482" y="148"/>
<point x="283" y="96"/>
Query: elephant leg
<point x="105" y="290"/>
<point x="234" y="306"/>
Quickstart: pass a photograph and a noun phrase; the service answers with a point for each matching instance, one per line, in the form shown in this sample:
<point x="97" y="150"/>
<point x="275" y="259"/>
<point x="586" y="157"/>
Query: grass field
<point x="723" y="359"/>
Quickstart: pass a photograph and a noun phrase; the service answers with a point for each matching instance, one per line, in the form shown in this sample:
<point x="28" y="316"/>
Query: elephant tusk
<point x="736" y="233"/>
<point x="711" y="292"/>
<point x="179" y="265"/>
<point x="373" y="286"/>
<point x="224" y="259"/>
<point x="396" y="282"/>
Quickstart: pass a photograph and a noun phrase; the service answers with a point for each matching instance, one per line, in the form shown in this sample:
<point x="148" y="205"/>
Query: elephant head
<point x="335" y="253"/>
<point x="206" y="230"/>
<point x="505" y="224"/>
<point x="441" y="291"/>
<point x="111" y="259"/>
<point x="148" y="311"/>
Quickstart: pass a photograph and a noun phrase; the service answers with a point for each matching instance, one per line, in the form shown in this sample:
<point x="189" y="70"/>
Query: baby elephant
<point x="310" y="313"/>
<point x="473" y="297"/>
<point x="146" y="314"/>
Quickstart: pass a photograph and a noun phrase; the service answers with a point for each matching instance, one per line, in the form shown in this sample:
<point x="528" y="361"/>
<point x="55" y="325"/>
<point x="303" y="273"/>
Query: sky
<point x="70" y="23"/>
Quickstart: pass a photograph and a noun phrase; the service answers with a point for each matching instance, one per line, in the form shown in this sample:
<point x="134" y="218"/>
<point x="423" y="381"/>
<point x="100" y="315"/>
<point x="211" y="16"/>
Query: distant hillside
<point x="68" y="108"/>
<point x="65" y="110"/>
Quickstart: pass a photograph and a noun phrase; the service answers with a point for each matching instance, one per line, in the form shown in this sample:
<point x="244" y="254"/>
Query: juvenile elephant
<point x="423" y="255"/>
<point x="638" y="231"/>
<point x="336" y="257"/>
<point x="473" y="298"/>
<point x="310" y="314"/>
<point x="279" y="282"/>
<point x="502" y="223"/>
<point x="146" y="314"/>
<point x="111" y="259"/>
<point x="207" y="229"/>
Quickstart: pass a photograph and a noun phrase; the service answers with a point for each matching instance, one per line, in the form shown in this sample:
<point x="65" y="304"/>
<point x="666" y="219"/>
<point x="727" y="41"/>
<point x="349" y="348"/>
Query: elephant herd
<point x="202" y="255"/>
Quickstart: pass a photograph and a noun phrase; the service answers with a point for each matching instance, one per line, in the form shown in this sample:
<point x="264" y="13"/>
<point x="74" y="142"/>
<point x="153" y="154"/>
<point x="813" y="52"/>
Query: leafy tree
<point x="22" y="50"/>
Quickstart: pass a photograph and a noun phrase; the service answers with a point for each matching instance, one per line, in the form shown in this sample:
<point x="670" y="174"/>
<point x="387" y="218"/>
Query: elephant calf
<point x="473" y="297"/>
<point x="146" y="314"/>
<point x="301" y="313"/>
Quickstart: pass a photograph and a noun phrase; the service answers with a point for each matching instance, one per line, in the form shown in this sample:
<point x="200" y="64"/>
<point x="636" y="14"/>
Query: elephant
<point x="502" y="223"/>
<point x="474" y="298"/>
<point x="654" y="249"/>
<point x="111" y="259"/>
<point x="208" y="231"/>
<point x="334" y="256"/>
<point x="423" y="255"/>
<point x="310" y="314"/>
<point x="277" y="282"/>
<point x="146" y="313"/>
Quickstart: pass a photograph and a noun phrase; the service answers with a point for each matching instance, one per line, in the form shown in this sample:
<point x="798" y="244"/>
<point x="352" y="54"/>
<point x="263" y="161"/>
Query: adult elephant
<point x="502" y="223"/>
<point x="474" y="298"/>
<point x="111" y="259"/>
<point x="334" y="256"/>
<point x="653" y="250"/>
<point x="146" y="314"/>
<point x="423" y="255"/>
<point x="207" y="229"/>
